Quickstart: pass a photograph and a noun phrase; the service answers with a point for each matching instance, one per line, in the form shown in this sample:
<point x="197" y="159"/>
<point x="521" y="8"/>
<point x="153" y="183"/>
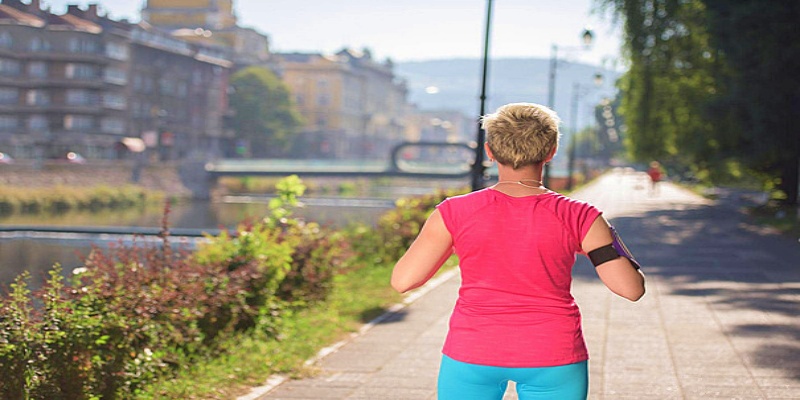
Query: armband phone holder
<point x="612" y="251"/>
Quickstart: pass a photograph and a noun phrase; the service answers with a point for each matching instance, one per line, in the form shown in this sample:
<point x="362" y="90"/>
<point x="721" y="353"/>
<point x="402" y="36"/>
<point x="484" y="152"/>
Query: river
<point x="37" y="252"/>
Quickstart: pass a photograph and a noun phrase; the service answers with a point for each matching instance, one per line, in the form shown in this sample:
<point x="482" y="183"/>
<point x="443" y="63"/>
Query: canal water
<point x="37" y="252"/>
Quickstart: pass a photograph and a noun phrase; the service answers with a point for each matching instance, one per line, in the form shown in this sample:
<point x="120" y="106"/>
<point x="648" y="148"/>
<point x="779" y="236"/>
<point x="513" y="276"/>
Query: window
<point x="117" y="51"/>
<point x="76" y="45"/>
<point x="114" y="100"/>
<point x="112" y="125"/>
<point x="38" y="44"/>
<point x="148" y="85"/>
<point x="9" y="96"/>
<point x="182" y="90"/>
<point x="138" y="83"/>
<point x="80" y="71"/>
<point x="77" y="122"/>
<point x="166" y="86"/>
<point x="37" y="97"/>
<point x="9" y="67"/>
<point x="135" y="108"/>
<point x="6" y="41"/>
<point x="8" y="123"/>
<point x="37" y="69"/>
<point x="37" y="123"/>
<point x="115" y="75"/>
<point x="79" y="97"/>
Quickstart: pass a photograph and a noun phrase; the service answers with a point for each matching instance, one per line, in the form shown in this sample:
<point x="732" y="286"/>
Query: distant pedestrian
<point x="655" y="173"/>
<point x="515" y="318"/>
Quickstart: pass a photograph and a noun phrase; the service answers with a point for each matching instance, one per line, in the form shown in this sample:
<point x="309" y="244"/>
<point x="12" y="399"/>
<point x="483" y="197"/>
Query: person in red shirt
<point x="515" y="318"/>
<point x="654" y="172"/>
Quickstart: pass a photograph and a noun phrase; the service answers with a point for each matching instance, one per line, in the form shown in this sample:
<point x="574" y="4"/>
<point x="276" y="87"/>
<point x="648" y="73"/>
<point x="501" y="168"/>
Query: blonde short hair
<point x="521" y="134"/>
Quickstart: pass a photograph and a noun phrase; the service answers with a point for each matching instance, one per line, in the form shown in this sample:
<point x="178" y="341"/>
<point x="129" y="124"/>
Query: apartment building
<point x="211" y="22"/>
<point x="81" y="82"/>
<point x="354" y="106"/>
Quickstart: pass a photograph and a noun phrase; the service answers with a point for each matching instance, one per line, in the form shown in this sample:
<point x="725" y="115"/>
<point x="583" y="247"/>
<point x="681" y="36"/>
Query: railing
<point x="431" y="160"/>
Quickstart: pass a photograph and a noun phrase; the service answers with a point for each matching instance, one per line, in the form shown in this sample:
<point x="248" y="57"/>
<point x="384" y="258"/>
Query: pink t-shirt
<point x="514" y="306"/>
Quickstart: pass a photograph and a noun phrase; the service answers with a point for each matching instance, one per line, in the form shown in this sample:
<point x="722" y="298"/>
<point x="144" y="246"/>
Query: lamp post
<point x="478" y="169"/>
<point x="587" y="37"/>
<point x="576" y="94"/>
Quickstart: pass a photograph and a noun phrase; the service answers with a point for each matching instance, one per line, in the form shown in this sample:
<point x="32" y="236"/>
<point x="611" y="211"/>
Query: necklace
<point x="540" y="184"/>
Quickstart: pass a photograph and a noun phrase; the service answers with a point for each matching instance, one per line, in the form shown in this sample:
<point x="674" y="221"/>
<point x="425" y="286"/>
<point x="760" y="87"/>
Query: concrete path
<point x="719" y="320"/>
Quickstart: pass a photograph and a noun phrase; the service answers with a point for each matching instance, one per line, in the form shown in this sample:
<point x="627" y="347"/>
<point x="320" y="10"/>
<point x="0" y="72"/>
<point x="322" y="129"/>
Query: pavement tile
<point x="715" y="391"/>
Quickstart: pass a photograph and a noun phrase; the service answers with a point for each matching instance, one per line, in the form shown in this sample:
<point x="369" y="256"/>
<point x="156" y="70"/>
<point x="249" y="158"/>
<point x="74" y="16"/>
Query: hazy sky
<point x="408" y="30"/>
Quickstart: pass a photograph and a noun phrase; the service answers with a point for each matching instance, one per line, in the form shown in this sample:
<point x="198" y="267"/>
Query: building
<point x="212" y="22"/>
<point x="354" y="107"/>
<point x="80" y="82"/>
<point x="178" y="95"/>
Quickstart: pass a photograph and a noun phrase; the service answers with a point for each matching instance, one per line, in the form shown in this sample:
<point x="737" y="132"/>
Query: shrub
<point x="319" y="255"/>
<point x="396" y="229"/>
<point x="134" y="313"/>
<point x="255" y="260"/>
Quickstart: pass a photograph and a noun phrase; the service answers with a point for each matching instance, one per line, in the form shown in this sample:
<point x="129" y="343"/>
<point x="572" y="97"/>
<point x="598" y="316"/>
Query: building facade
<point x="83" y="83"/>
<point x="212" y="22"/>
<point x="353" y="106"/>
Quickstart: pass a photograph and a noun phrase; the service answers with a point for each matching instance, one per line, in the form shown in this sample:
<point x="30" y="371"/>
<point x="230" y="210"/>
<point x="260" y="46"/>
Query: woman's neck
<point x="532" y="172"/>
<point x="524" y="181"/>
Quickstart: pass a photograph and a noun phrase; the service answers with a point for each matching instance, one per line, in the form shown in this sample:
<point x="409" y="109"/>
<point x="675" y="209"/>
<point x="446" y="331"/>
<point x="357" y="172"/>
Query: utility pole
<point x="478" y="169"/>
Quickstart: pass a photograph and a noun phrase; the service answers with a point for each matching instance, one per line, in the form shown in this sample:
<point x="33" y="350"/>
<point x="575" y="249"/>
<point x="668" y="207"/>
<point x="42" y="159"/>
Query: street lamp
<point x="576" y="94"/>
<point x="587" y="37"/>
<point x="478" y="168"/>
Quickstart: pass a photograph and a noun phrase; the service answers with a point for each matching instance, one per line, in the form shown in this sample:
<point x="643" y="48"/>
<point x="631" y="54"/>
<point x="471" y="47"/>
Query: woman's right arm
<point x="619" y="274"/>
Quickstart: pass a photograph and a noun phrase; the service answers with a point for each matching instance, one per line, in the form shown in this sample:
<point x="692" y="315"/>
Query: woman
<point x="516" y="241"/>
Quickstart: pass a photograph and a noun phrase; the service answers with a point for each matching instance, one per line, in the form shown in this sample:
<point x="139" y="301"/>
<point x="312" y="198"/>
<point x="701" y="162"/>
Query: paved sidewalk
<point x="719" y="320"/>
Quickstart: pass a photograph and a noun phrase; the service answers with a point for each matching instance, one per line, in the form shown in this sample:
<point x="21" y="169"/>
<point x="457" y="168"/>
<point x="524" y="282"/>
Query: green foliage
<point x="288" y="191"/>
<point x="672" y="77"/>
<point x="762" y="53"/>
<point x="65" y="347"/>
<point x="712" y="82"/>
<point x="396" y="229"/>
<point x="264" y="113"/>
<point x="136" y="314"/>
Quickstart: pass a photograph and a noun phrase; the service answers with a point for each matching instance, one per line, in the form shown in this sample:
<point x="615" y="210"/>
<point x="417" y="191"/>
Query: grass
<point x="249" y="359"/>
<point x="784" y="219"/>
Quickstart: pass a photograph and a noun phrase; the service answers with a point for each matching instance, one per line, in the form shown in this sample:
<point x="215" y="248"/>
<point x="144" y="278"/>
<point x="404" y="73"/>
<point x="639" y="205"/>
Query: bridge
<point x="421" y="160"/>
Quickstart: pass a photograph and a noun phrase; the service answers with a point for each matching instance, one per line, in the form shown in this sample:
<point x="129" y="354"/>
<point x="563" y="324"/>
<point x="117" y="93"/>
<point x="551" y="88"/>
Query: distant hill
<point x="509" y="80"/>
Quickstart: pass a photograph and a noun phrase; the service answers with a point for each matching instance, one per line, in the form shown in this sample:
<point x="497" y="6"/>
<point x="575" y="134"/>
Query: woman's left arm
<point x="432" y="247"/>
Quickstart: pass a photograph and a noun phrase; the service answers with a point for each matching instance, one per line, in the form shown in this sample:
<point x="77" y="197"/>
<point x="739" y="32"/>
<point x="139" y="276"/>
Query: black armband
<point x="612" y="251"/>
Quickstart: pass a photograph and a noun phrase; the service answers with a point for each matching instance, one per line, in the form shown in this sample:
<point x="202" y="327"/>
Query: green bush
<point x="319" y="255"/>
<point x="135" y="313"/>
<point x="396" y="229"/>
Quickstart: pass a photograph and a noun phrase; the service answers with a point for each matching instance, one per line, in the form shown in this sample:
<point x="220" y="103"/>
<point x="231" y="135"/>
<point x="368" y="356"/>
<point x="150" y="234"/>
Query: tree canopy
<point x="713" y="86"/>
<point x="265" y="116"/>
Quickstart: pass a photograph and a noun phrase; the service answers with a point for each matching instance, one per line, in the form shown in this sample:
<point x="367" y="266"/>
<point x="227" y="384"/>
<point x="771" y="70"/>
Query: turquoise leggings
<point x="462" y="381"/>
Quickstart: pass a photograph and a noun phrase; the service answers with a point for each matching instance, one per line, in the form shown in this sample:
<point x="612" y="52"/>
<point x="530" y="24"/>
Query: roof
<point x="73" y="22"/>
<point x="20" y="17"/>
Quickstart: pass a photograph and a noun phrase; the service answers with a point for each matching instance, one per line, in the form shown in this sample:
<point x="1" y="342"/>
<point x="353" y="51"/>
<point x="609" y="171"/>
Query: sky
<point x="415" y="30"/>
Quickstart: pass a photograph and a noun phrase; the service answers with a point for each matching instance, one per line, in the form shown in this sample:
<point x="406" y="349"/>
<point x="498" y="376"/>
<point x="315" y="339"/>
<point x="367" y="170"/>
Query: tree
<point x="759" y="42"/>
<point x="669" y="82"/>
<point x="265" y="116"/>
<point x="713" y="83"/>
